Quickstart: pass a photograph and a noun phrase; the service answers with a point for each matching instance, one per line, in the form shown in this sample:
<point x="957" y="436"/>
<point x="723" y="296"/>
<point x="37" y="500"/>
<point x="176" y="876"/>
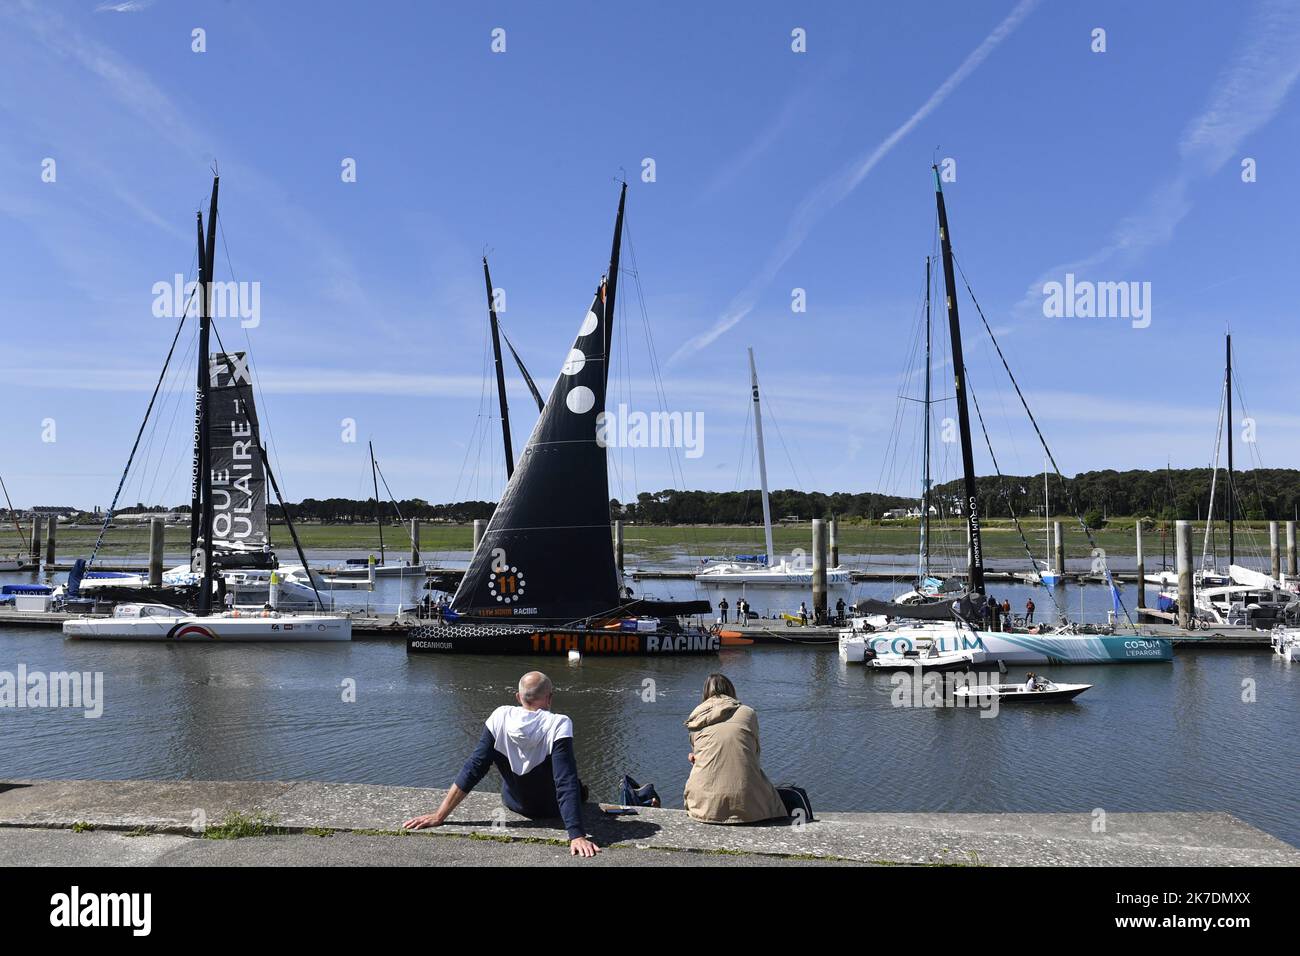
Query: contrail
<point x="833" y="190"/>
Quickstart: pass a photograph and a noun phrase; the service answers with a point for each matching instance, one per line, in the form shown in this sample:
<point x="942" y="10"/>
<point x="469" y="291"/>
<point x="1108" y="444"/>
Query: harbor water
<point x="1214" y="730"/>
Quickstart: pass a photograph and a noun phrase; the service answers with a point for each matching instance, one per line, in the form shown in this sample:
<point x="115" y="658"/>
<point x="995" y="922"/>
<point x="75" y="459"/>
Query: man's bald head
<point x="535" y="689"/>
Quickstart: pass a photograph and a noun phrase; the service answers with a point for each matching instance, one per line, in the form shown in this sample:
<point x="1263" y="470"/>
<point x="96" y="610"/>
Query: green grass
<point x="237" y="825"/>
<point x="653" y="545"/>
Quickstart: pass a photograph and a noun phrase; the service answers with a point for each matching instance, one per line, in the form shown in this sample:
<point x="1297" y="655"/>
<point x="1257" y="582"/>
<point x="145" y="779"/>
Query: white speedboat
<point x="1045" y="691"/>
<point x="159" y="622"/>
<point x="1285" y="642"/>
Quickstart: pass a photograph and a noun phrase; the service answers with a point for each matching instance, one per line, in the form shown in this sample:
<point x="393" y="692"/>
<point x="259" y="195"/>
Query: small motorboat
<point x="1285" y="642"/>
<point x="1045" y="691"/>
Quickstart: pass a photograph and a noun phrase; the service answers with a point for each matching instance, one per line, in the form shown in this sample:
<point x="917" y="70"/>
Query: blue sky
<point x="775" y="170"/>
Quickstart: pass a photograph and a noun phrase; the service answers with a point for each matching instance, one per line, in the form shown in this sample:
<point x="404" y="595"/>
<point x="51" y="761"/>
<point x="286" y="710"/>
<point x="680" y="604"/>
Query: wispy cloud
<point x="125" y="6"/>
<point x="833" y="190"/>
<point x="1247" y="94"/>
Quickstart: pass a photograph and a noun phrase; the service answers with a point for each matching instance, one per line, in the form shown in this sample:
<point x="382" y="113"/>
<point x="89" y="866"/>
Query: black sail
<point x="546" y="555"/>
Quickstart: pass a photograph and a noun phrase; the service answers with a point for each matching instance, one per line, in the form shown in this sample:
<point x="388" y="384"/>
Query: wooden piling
<point x="1291" y="569"/>
<point x="1058" y="548"/>
<point x="38" y="524"/>
<point x="819" y="569"/>
<point x="480" y="526"/>
<point x="1275" y="550"/>
<point x="1183" y="548"/>
<point x="618" y="545"/>
<point x="415" y="543"/>
<point x="51" y="545"/>
<point x="835" y="542"/>
<point x="156" y="537"/>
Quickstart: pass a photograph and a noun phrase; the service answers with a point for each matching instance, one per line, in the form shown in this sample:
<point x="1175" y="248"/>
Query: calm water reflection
<point x="1147" y="737"/>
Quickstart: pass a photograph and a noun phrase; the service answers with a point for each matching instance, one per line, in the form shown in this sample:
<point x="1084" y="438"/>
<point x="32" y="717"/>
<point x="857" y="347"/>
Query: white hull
<point x="772" y="591"/>
<point x="1016" y="693"/>
<point x="180" y="627"/>
<point x="1009" y="648"/>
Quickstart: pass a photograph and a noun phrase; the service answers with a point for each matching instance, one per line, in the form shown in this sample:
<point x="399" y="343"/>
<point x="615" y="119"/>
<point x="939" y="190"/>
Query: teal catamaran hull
<point x="1013" y="648"/>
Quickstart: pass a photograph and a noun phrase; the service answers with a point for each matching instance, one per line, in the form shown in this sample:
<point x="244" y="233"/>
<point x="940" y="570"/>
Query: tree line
<point x="1167" y="494"/>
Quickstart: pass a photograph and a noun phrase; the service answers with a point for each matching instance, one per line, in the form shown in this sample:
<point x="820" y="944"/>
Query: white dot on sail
<point x="574" y="363"/>
<point x="580" y="400"/>
<point x="589" y="324"/>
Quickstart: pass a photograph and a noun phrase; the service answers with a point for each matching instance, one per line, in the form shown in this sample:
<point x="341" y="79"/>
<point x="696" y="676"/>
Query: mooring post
<point x="618" y="545"/>
<point x="415" y="543"/>
<point x="50" y="544"/>
<point x="819" y="570"/>
<point x="480" y="525"/>
<point x="835" y="542"/>
<point x="1058" y="538"/>
<point x="38" y="524"/>
<point x="1183" y="552"/>
<point x="1275" y="550"/>
<point x="1142" y="569"/>
<point x="1290" y="550"/>
<point x="156" y="532"/>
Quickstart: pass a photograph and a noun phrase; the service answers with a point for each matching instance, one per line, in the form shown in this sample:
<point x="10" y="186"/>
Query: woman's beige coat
<point x="727" y="783"/>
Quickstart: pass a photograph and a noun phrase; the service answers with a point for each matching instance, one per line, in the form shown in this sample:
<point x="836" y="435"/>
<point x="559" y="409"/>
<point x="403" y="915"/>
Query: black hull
<point x="555" y="641"/>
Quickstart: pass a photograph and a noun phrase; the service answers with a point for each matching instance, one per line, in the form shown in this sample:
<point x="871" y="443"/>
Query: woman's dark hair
<point x="717" y="685"/>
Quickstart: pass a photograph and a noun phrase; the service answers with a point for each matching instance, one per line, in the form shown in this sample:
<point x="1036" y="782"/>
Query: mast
<point x="1231" y="496"/>
<point x="924" y="569"/>
<point x="374" y="477"/>
<point x="205" y="381"/>
<point x="762" y="462"/>
<point x="200" y="412"/>
<point x="501" y="374"/>
<point x="611" y="280"/>
<point x="976" y="582"/>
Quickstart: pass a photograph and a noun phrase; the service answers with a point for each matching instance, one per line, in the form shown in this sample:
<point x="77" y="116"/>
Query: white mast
<point x="762" y="462"/>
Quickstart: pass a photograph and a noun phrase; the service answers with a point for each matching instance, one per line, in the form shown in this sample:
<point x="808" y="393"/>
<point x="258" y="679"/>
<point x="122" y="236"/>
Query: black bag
<point x="635" y="795"/>
<point x="796" y="802"/>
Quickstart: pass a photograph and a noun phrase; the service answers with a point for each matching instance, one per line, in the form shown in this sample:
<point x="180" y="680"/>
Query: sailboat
<point x="360" y="573"/>
<point x="1047" y="576"/>
<point x="1237" y="594"/>
<point x="543" y="579"/>
<point x="958" y="631"/>
<point x="929" y="587"/>
<point x="768" y="586"/>
<point x="228" y="532"/>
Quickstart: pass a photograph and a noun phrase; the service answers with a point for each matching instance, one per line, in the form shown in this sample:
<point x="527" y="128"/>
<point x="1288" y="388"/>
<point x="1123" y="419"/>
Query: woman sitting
<point x="727" y="783"/>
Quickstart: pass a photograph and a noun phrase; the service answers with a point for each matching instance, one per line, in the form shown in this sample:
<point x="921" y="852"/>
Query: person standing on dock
<point x="533" y="750"/>
<point x="1006" y="615"/>
<point x="839" y="611"/>
<point x="803" y="613"/>
<point x="1029" y="611"/>
<point x="991" y="613"/>
<point x="722" y="609"/>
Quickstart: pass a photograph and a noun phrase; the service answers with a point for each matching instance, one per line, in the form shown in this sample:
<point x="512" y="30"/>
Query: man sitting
<point x="533" y="750"/>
